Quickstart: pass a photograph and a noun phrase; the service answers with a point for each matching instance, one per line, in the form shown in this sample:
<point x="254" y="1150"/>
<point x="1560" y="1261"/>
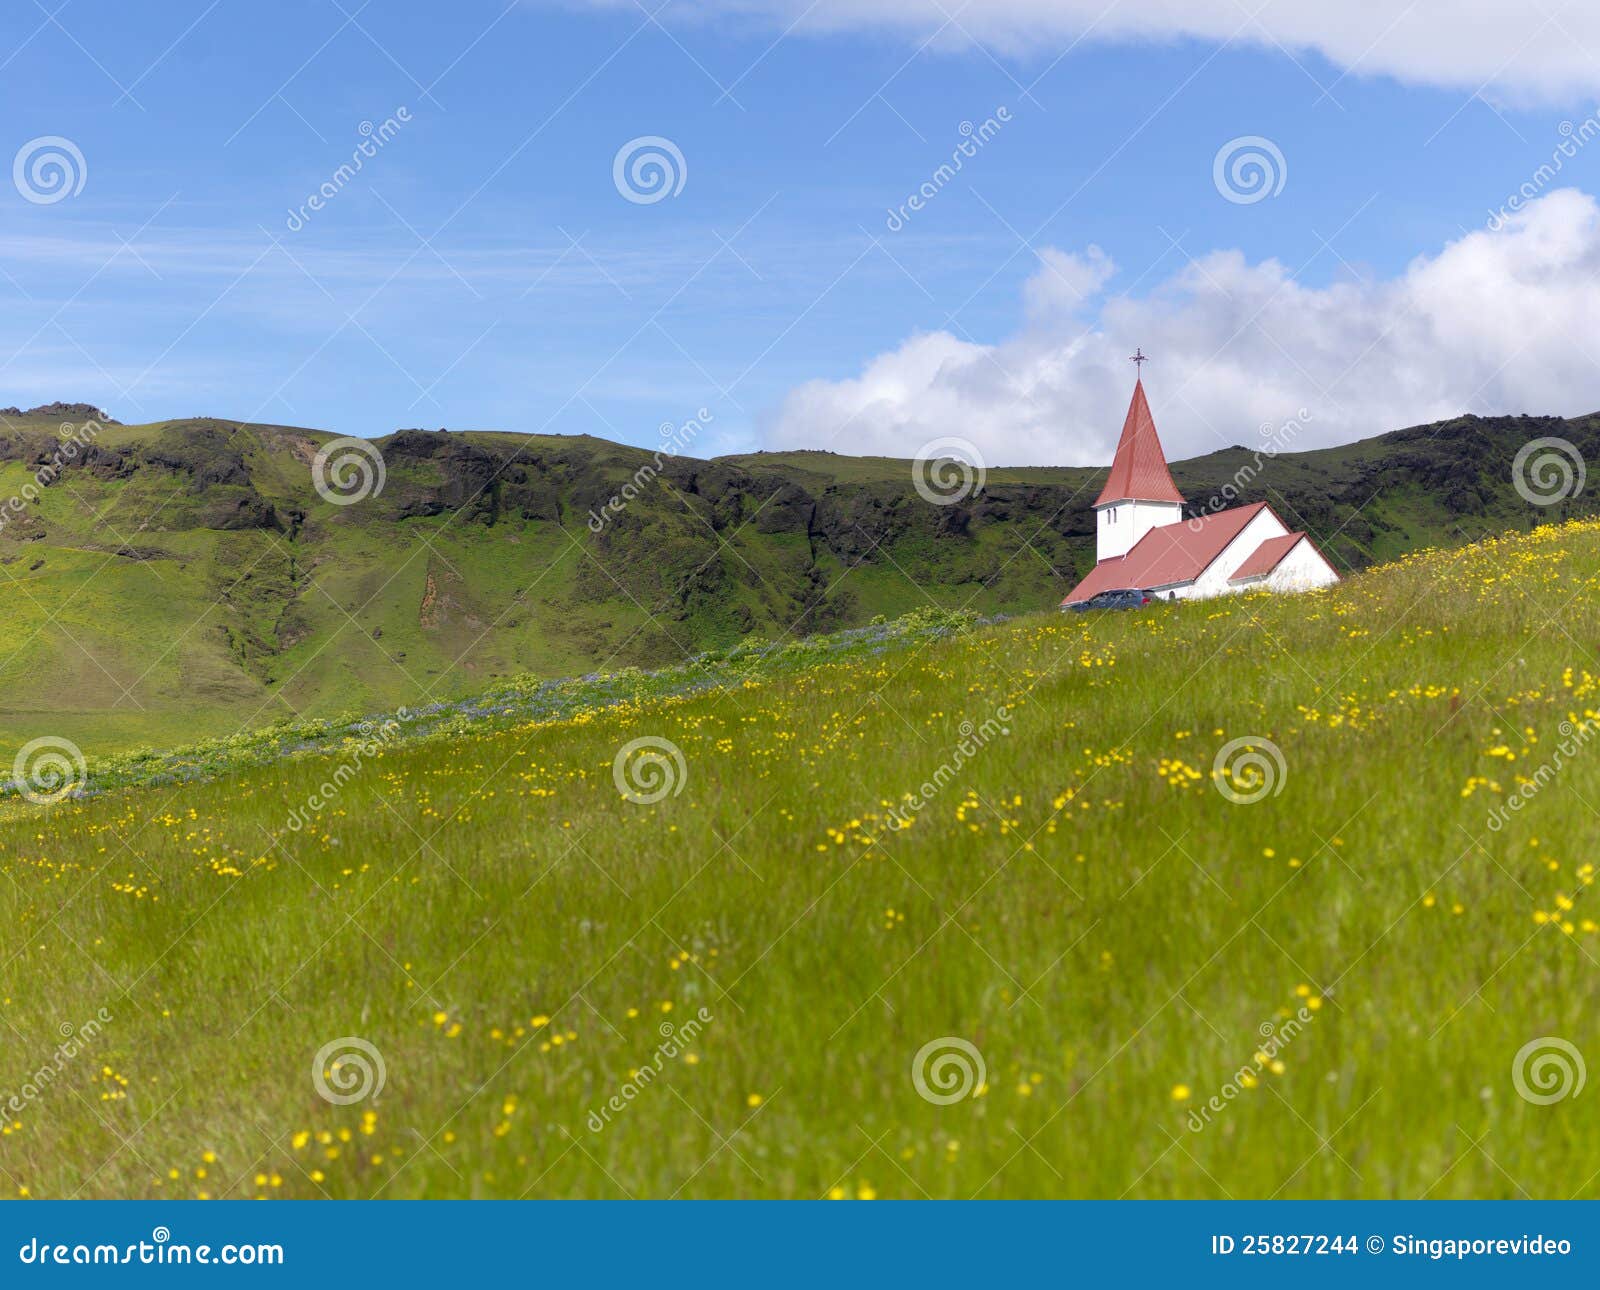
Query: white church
<point x="1143" y="542"/>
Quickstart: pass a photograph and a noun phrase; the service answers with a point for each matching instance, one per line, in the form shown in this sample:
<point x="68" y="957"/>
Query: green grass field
<point x="1350" y="964"/>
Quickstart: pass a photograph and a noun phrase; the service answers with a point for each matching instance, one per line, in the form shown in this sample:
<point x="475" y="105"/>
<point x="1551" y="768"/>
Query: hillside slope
<point x="1266" y="896"/>
<point x="186" y="578"/>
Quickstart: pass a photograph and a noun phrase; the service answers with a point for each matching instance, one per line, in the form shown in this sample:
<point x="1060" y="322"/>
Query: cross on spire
<point x="1138" y="359"/>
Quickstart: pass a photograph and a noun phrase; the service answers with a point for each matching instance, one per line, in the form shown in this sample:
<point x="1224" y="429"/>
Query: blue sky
<point x="482" y="269"/>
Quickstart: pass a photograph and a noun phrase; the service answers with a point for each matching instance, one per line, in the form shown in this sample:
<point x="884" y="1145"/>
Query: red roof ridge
<point x="1268" y="556"/>
<point x="1139" y="470"/>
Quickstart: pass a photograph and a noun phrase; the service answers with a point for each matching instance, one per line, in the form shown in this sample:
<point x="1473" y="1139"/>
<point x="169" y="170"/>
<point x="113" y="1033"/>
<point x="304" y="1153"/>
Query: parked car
<point x="1120" y="598"/>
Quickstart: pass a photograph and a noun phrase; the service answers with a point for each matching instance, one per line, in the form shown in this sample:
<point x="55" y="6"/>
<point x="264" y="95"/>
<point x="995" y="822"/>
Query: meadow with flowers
<point x="1215" y="899"/>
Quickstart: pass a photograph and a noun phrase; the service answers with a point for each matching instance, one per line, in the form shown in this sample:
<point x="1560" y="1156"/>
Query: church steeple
<point x="1139" y="494"/>
<point x="1139" y="471"/>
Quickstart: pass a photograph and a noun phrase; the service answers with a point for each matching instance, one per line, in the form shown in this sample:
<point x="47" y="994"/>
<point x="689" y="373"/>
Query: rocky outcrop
<point x="63" y="411"/>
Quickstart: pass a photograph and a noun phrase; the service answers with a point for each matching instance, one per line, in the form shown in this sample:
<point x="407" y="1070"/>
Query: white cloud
<point x="1547" y="50"/>
<point x="1065" y="282"/>
<point x="1503" y="321"/>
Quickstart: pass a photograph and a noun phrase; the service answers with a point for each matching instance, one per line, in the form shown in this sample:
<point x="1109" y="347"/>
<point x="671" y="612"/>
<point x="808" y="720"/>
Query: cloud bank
<point x="1499" y="321"/>
<point x="1546" y="51"/>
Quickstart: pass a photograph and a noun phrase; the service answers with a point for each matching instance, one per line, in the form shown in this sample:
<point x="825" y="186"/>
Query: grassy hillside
<point x="1016" y="836"/>
<point x="185" y="578"/>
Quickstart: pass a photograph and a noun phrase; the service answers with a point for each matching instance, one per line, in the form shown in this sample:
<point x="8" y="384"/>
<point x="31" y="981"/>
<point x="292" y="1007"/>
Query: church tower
<point x="1140" y="494"/>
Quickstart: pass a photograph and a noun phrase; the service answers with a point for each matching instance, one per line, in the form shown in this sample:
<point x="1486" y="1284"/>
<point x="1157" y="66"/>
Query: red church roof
<point x="1171" y="554"/>
<point x="1267" y="557"/>
<point x="1139" y="470"/>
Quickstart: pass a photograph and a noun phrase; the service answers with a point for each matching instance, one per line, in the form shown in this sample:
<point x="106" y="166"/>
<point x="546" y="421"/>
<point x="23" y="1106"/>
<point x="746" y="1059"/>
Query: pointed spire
<point x="1139" y="470"/>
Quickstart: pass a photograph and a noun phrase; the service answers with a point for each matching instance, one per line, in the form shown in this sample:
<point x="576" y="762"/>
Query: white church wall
<point x="1213" y="580"/>
<point x="1301" y="570"/>
<point x="1121" y="524"/>
<point x="1187" y="591"/>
